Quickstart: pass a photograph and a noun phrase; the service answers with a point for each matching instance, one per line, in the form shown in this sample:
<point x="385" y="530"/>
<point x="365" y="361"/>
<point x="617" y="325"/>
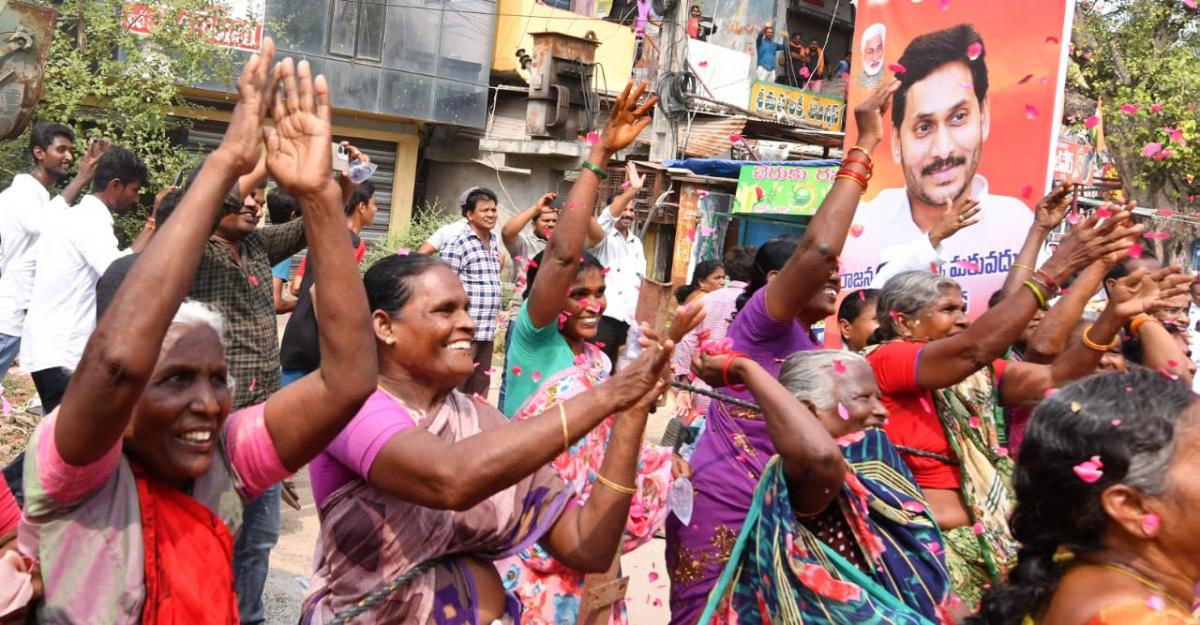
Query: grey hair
<point x="809" y="375"/>
<point x="195" y="313"/>
<point x="907" y="294"/>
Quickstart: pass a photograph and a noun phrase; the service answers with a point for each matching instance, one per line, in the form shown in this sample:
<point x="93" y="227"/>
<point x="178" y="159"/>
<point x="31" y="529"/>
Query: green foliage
<point x="107" y="82"/>
<point x="1144" y="53"/>
<point x="426" y="220"/>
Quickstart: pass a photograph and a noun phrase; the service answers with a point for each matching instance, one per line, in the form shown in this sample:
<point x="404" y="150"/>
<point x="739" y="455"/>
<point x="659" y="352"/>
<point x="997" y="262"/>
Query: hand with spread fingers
<point x="298" y="154"/>
<point x="256" y="88"/>
<point x="628" y="119"/>
<point x="1052" y="209"/>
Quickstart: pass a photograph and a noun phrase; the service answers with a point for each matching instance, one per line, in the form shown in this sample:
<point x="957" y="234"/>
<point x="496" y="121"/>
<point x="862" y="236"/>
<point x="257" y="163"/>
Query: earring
<point x="1150" y="523"/>
<point x="390" y="341"/>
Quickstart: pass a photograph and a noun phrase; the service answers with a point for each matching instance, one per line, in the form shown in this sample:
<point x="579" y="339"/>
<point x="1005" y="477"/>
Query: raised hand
<point x="256" y="86"/>
<point x="711" y="367"/>
<point x="627" y="119"/>
<point x="1052" y="209"/>
<point x="870" y="114"/>
<point x="95" y="149"/>
<point x="1089" y="241"/>
<point x="639" y="385"/>
<point x="953" y="220"/>
<point x="631" y="176"/>
<point x="1142" y="292"/>
<point x="298" y="150"/>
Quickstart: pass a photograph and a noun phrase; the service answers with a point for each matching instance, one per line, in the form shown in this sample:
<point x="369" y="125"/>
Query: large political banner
<point x="976" y="116"/>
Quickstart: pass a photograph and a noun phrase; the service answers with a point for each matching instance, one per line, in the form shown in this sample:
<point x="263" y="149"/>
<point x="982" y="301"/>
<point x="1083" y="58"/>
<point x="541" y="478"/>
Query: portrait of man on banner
<point x="967" y="144"/>
<point x="871" y="45"/>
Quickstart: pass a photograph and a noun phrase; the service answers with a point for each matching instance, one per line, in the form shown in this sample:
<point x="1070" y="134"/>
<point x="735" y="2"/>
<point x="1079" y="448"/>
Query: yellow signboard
<point x="818" y="110"/>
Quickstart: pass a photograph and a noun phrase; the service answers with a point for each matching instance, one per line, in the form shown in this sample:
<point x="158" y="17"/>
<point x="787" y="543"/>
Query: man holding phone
<point x="526" y="244"/>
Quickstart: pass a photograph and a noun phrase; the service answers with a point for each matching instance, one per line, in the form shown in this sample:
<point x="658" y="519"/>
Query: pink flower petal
<point x="977" y="529"/>
<point x="1031" y="111"/>
<point x="973" y="422"/>
<point x="975" y="50"/>
<point x="1052" y="40"/>
<point x="1131" y="109"/>
<point x="944" y="5"/>
<point x="926" y="406"/>
<point x="653" y="577"/>
<point x="1162" y="212"/>
<point x="1048" y="392"/>
<point x="1156" y="108"/>
<point x="707" y="231"/>
<point x="1090" y="470"/>
<point x="1157" y="236"/>
<point x="702" y="193"/>
<point x="897" y="68"/>
<point x="1027" y="78"/>
<point x="1150" y="523"/>
<point x="702" y="64"/>
<point x="626" y="184"/>
<point x="253" y="280"/>
<point x="1156" y="603"/>
<point x="843" y="412"/>
<point x="1116" y="422"/>
<point x="1191" y="4"/>
<point x="1103" y="213"/>
<point x="804" y="72"/>
<point x="1073" y="218"/>
<point x="1164" y="155"/>
<point x="1168" y="374"/>
<point x="839" y="366"/>
<point x="5" y="407"/>
<point x="253" y="384"/>
<point x="1135" y="250"/>
<point x="968" y="265"/>
<point x="1027" y="191"/>
<point x="1172" y="364"/>
<point x="1175" y="135"/>
<point x="856" y="230"/>
<point x="404" y="251"/>
<point x="1091" y="122"/>
<point x="1150" y="149"/>
<point x="913" y="507"/>
<point x="735" y="138"/>
<point x="593" y="137"/>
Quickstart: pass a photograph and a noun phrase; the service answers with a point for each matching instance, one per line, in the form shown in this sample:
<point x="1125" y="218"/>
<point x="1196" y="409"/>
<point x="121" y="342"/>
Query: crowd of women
<point x="934" y="471"/>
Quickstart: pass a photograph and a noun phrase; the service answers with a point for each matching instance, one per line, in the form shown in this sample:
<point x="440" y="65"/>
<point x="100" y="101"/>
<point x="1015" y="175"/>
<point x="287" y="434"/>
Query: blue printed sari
<point x="782" y="573"/>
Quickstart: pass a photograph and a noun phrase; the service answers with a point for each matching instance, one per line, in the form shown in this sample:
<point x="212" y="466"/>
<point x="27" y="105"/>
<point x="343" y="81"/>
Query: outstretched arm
<point x="1049" y="213"/>
<point x="298" y="158"/>
<point x="513" y="227"/>
<point x="814" y="465"/>
<point x="122" y="352"/>
<point x="948" y="361"/>
<point x="560" y="261"/>
<point x="807" y="271"/>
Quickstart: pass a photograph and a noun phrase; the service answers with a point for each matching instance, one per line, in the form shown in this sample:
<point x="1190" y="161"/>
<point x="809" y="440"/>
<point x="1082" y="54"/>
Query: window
<point x="356" y="28"/>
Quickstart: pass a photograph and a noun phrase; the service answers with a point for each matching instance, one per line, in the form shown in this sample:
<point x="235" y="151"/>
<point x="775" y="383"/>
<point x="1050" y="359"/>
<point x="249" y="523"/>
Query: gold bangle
<point x="1036" y="289"/>
<point x="1135" y="326"/>
<point x="865" y="153"/>
<point x="562" y="414"/>
<point x="1025" y="267"/>
<point x="624" y="490"/>
<point x="1092" y="345"/>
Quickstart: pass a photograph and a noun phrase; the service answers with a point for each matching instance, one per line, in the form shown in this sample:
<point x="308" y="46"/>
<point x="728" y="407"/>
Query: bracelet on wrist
<point x="624" y="490"/>
<point x="1038" y="293"/>
<point x="725" y="372"/>
<point x="1135" y="324"/>
<point x="1094" y="346"/>
<point x="595" y="169"/>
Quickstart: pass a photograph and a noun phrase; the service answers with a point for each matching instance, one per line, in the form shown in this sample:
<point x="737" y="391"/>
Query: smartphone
<point x="341" y="158"/>
<point x="558" y="202"/>
<point x="179" y="179"/>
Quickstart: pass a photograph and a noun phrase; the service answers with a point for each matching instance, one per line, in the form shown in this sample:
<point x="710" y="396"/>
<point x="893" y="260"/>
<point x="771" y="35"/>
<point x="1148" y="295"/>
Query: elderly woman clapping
<point x="135" y="483"/>
<point x="837" y="505"/>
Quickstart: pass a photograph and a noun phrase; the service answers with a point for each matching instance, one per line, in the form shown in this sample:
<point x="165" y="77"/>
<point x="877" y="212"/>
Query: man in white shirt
<point x="622" y="254"/>
<point x="74" y="250"/>
<point x="1194" y="330"/>
<point x="940" y="120"/>
<point x="24" y="208"/>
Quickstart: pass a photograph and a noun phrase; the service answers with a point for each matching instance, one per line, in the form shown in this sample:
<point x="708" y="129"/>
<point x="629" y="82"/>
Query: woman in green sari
<point x="838" y="531"/>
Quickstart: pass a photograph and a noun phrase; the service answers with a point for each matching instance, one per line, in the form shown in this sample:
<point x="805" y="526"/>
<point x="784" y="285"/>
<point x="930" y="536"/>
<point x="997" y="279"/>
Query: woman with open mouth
<point x="551" y="360"/>
<point x="135" y="484"/>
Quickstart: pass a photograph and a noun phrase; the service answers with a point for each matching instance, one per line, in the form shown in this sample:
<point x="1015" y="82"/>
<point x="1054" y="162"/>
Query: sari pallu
<point x="984" y="552"/>
<point x="368" y="538"/>
<point x="781" y="572"/>
<point x="729" y="460"/>
<point x="549" y="591"/>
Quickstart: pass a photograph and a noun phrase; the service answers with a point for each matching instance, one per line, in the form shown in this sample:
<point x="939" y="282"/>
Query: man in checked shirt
<point x="473" y="252"/>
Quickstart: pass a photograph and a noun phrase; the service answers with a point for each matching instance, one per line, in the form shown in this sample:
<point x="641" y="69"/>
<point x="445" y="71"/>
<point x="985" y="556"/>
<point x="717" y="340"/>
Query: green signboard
<point x="782" y="189"/>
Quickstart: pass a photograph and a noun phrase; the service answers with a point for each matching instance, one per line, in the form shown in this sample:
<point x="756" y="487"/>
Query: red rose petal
<point x="1091" y="122"/>
<point x="897" y="68"/>
<point x="1027" y="78"/>
<point x="1027" y="191"/>
<point x="975" y="50"/>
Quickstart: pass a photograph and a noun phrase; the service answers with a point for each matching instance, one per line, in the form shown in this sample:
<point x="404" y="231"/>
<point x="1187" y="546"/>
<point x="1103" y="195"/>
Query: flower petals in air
<point x="977" y="529"/>
<point x="1162" y="212"/>
<point x="1027" y="78"/>
<point x="702" y="64"/>
<point x="843" y="412"/>
<point x="1090" y="470"/>
<point x="975" y="50"/>
<point x="1116" y="422"/>
<point x="735" y="138"/>
<point x="839" y="366"/>
<point x="973" y="422"/>
<point x="804" y="72"/>
<point x="404" y="251"/>
<point x="1135" y="250"/>
<point x="1157" y="236"/>
<point x="1031" y="111"/>
<point x="968" y="265"/>
<point x="856" y="230"/>
<point x="897" y="68"/>
<point x="1103" y="213"/>
<point x="593" y="137"/>
<point x="1150" y="149"/>
<point x="1027" y="191"/>
<point x="1091" y="122"/>
<point x="1048" y="392"/>
<point x="5" y="407"/>
<point x="702" y="193"/>
<point x="1052" y="40"/>
<point x="1073" y="218"/>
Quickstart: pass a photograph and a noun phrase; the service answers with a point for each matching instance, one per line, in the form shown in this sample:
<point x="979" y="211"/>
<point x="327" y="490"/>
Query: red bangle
<point x="725" y="372"/>
<point x="1045" y="276"/>
<point x="867" y="165"/>
<point x="858" y="178"/>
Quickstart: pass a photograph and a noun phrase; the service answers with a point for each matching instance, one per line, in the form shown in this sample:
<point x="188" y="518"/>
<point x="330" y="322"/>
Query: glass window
<point x="370" y="30"/>
<point x="343" y="27"/>
<point x="356" y="28"/>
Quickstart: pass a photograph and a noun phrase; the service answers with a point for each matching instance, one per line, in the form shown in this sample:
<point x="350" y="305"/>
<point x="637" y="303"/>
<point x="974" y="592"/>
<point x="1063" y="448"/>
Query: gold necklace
<point x="1148" y="583"/>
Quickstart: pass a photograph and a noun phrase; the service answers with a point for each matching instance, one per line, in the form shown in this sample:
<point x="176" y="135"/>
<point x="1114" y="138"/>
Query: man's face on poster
<point x="940" y="141"/>
<point x="873" y="55"/>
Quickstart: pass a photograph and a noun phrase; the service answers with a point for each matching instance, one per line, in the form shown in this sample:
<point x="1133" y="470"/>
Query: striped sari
<point x="781" y="572"/>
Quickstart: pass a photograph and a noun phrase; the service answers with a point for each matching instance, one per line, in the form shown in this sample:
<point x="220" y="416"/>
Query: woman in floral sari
<point x="428" y="482"/>
<point x="944" y="385"/>
<point x="550" y="361"/>
<point x="832" y="538"/>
